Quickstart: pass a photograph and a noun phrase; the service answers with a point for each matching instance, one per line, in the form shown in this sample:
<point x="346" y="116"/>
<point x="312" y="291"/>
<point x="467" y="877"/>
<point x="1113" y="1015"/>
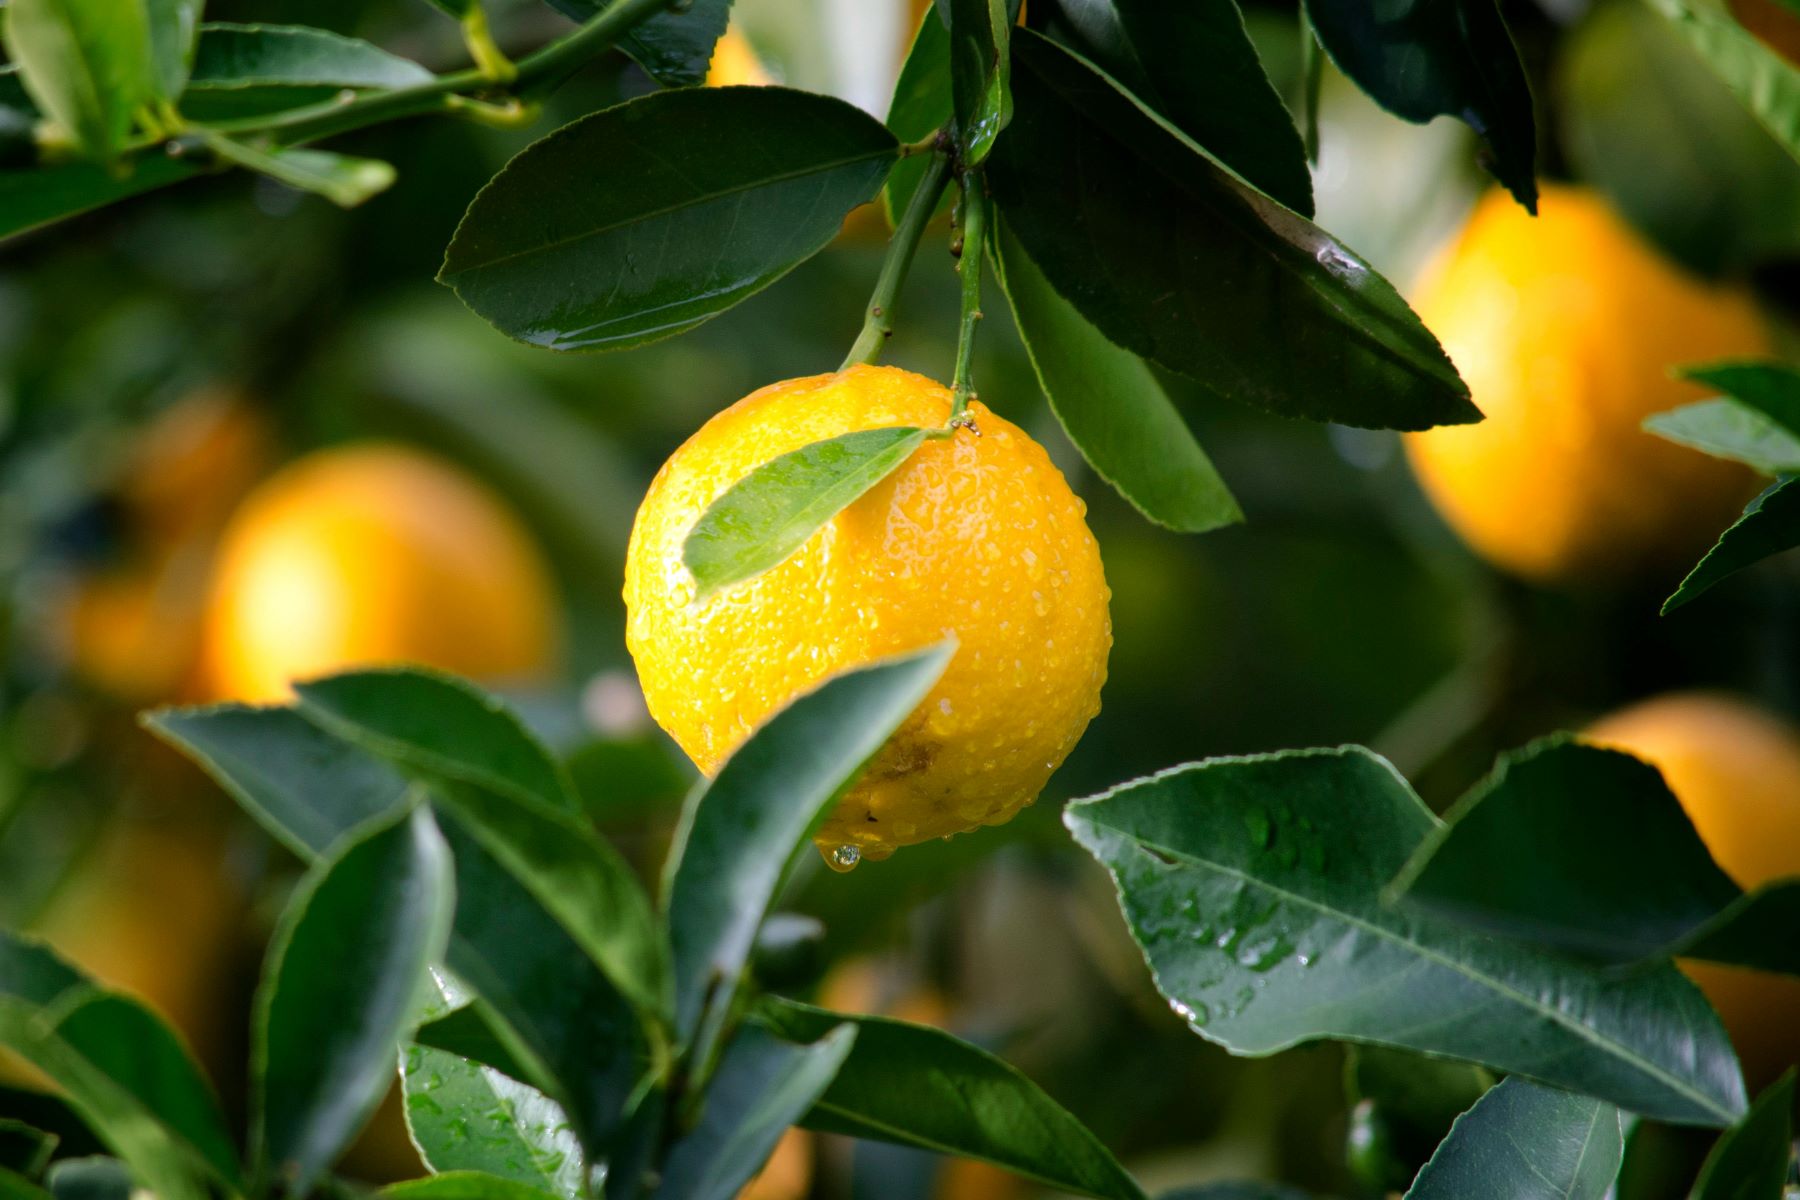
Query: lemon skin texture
<point x="1566" y="328"/>
<point x="375" y="554"/>
<point x="976" y="536"/>
<point x="1736" y="770"/>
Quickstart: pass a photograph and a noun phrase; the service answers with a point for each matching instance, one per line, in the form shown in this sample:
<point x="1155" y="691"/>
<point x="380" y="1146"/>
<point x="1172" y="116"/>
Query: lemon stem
<point x="970" y="243"/>
<point x="878" y="322"/>
<point x="480" y="42"/>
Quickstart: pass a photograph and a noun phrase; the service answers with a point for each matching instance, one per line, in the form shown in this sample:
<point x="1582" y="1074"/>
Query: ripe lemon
<point x="1566" y="328"/>
<point x="371" y="554"/>
<point x="976" y="535"/>
<point x="735" y="62"/>
<point x="1736" y="770"/>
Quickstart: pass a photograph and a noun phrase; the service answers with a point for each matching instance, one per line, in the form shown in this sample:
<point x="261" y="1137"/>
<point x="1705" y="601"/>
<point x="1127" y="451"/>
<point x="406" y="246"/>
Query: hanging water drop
<point x="843" y="858"/>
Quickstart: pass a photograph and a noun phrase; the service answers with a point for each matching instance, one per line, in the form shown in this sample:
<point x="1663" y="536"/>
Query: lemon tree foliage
<point x="1753" y="1158"/>
<point x="1525" y="1141"/>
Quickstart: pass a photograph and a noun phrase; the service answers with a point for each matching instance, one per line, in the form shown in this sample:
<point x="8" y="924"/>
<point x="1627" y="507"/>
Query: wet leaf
<point x="1525" y="1141"/>
<point x="464" y="1116"/>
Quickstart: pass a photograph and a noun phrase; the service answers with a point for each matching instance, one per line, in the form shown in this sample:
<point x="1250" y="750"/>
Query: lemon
<point x="1566" y="328"/>
<point x="976" y="536"/>
<point x="1736" y="771"/>
<point x="374" y="554"/>
<point x="735" y="62"/>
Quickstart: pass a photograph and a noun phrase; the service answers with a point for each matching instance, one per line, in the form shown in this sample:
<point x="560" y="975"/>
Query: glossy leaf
<point x="86" y="64"/>
<point x="1757" y="74"/>
<point x="232" y="57"/>
<point x="1771" y="388"/>
<point x="1770" y="525"/>
<point x="1525" y="1141"/>
<point x="1112" y="407"/>
<point x="1451" y="58"/>
<point x="36" y="197"/>
<point x="301" y="784"/>
<point x="341" y="179"/>
<point x="1751" y="1161"/>
<point x="1195" y="66"/>
<point x="675" y="46"/>
<point x="745" y="828"/>
<point x="173" y="25"/>
<point x="913" y="1085"/>
<point x="464" y="1116"/>
<point x="921" y="106"/>
<point x="1730" y="429"/>
<point x="463" y="1185"/>
<point x="467" y="1032"/>
<point x="1254" y="886"/>
<point x="771" y="512"/>
<point x="731" y="188"/>
<point x="342" y="987"/>
<point x="1174" y="259"/>
<point x="761" y="1087"/>
<point x="980" y="65"/>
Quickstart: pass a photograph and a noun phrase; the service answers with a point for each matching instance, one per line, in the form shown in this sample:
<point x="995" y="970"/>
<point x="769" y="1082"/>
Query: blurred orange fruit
<point x="976" y="536"/>
<point x="788" y="1174"/>
<point x="1773" y="23"/>
<point x="368" y="554"/>
<point x="735" y="62"/>
<point x="1566" y="328"/>
<point x="1736" y="771"/>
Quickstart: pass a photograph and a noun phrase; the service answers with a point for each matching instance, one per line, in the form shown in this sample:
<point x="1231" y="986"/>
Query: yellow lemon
<point x="976" y="536"/>
<point x="375" y="554"/>
<point x="735" y="62"/>
<point x="1736" y="770"/>
<point x="1566" y="328"/>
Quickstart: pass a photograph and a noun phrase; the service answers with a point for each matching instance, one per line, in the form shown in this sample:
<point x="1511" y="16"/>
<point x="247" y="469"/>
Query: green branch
<point x="973" y="241"/>
<point x="878" y="324"/>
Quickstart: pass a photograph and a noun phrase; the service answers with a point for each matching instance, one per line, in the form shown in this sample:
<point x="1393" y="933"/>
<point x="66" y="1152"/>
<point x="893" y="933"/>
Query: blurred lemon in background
<point x="735" y="63"/>
<point x="375" y="553"/>
<point x="1566" y="327"/>
<point x="977" y="536"/>
<point x="1736" y="771"/>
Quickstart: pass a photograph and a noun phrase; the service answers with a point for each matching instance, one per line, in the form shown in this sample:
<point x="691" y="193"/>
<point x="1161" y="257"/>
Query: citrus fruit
<point x="735" y="62"/>
<point x="368" y="554"/>
<point x="1566" y="328"/>
<point x="1736" y="770"/>
<point x="976" y="536"/>
<point x="789" y="1172"/>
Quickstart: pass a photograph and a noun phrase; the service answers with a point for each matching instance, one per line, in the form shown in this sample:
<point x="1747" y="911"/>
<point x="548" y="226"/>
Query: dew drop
<point x="843" y="858"/>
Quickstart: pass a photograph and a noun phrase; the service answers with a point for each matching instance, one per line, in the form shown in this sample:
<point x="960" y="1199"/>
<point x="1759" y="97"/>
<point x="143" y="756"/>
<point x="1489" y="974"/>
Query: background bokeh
<point x="1341" y="611"/>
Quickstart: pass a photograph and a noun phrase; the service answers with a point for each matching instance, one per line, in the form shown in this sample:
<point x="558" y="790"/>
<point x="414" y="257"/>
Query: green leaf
<point x="1451" y="58"/>
<point x="342" y="987"/>
<point x="1771" y="388"/>
<point x="762" y="1086"/>
<point x="341" y="179"/>
<point x="447" y="728"/>
<point x="307" y="788"/>
<point x="674" y="47"/>
<point x="462" y="1185"/>
<point x="1196" y="67"/>
<point x="1111" y="406"/>
<point x="1770" y="524"/>
<point x="86" y="63"/>
<point x="917" y="1086"/>
<point x="464" y="1116"/>
<point x="921" y="105"/>
<point x="1727" y="428"/>
<point x="744" y="829"/>
<point x="33" y="198"/>
<point x="173" y="26"/>
<point x="731" y="188"/>
<point x="1751" y="1161"/>
<point x="14" y="1186"/>
<point x="1417" y="1098"/>
<point x="1237" y="1191"/>
<point x="1758" y="75"/>
<point x="771" y="512"/>
<point x="1645" y="120"/>
<point x="980" y="64"/>
<point x="233" y="57"/>
<point x="1524" y="1141"/>
<point x="24" y="1148"/>
<point x="1254" y="886"/>
<point x="1174" y="259"/>
<point x="467" y="1032"/>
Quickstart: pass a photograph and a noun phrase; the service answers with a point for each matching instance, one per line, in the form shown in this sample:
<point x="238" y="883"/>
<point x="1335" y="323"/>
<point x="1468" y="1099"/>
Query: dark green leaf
<point x="25" y="1148"/>
<point x="1254" y="886"/>
<point x="307" y="788"/>
<point x="468" y="1117"/>
<point x="1196" y="67"/>
<point x="1236" y="1191"/>
<point x="1173" y="259"/>
<point x="462" y="1185"/>
<point x="467" y="1032"/>
<point x="1111" y="406"/>
<point x="1757" y="74"/>
<point x="1770" y="524"/>
<point x="917" y="1086"/>
<point x="236" y="57"/>
<point x="921" y="106"/>
<point x="342" y="987"/>
<point x="676" y="46"/>
<point x="54" y="1115"/>
<point x="30" y="198"/>
<point x="1771" y="388"/>
<point x="771" y="512"/>
<point x="86" y="64"/>
<point x="341" y="179"/>
<point x="762" y="1086"/>
<point x="1751" y="1161"/>
<point x="744" y="829"/>
<point x="731" y="188"/>
<point x="1525" y="1141"/>
<point x="1645" y="120"/>
<point x="1730" y="429"/>
<point x="173" y="26"/>
<point x="1454" y="58"/>
<point x="979" y="68"/>
<point x="14" y="1186"/>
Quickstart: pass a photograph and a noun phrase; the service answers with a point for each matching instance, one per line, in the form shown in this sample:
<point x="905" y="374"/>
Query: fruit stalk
<point x="971" y="243"/>
<point x="878" y="322"/>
